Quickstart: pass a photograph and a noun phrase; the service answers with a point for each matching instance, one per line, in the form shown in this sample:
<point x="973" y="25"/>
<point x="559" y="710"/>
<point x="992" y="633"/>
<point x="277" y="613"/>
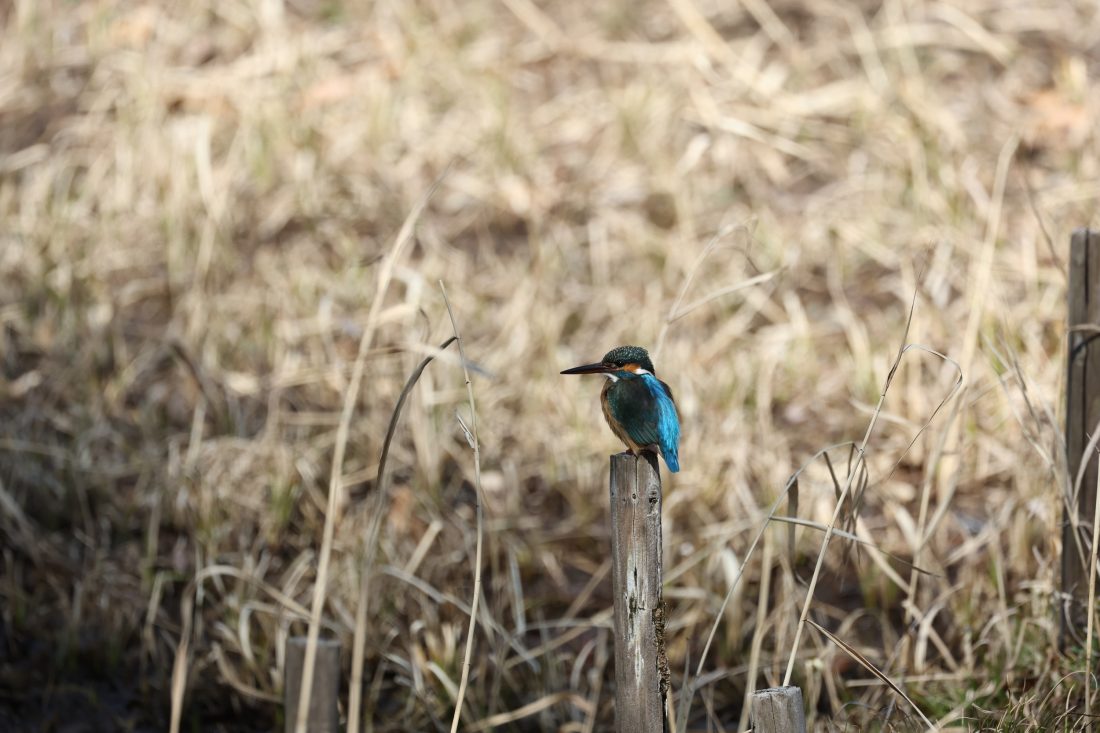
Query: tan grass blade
<point x="980" y="286"/>
<point x="720" y="292"/>
<point x="1030" y="433"/>
<point x="687" y="690"/>
<point x="371" y="545"/>
<point x="1087" y="671"/>
<point x="385" y="275"/>
<point x="187" y="607"/>
<point x="494" y="721"/>
<point x="854" y="538"/>
<point x="471" y="434"/>
<point x="695" y="267"/>
<point x="792" y="507"/>
<point x="229" y="673"/>
<point x="1059" y="264"/>
<point x="10" y="507"/>
<point x="488" y="622"/>
<point x="715" y="46"/>
<point x="601" y="657"/>
<point x="601" y="620"/>
<point x="1070" y="504"/>
<point x="922" y="521"/>
<point x="866" y="664"/>
<point x="861" y="453"/>
<point x="861" y="457"/>
<point x="955" y="387"/>
<point x="758" y="634"/>
<point x="183" y="652"/>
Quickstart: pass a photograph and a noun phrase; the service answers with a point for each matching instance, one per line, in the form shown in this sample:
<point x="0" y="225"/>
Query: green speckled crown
<point x="629" y="355"/>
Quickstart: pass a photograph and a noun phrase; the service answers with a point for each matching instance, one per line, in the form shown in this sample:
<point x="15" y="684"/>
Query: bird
<point x="638" y="407"/>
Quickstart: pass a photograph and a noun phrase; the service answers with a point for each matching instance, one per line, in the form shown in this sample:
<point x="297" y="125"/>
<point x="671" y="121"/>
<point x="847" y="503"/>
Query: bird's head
<point x="623" y="361"/>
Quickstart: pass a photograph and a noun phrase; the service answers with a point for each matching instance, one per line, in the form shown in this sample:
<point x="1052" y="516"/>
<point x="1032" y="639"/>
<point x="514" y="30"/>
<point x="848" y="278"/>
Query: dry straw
<point x="206" y="322"/>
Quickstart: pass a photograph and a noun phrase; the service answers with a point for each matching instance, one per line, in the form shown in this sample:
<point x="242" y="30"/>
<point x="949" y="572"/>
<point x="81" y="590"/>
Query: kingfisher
<point x="638" y="407"/>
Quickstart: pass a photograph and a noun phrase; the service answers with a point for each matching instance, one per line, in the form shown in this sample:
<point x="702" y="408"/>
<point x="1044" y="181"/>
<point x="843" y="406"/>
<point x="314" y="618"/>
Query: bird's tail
<point x="671" y="459"/>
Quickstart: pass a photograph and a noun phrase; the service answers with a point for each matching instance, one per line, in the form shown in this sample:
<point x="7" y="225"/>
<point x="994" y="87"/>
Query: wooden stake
<point x="324" y="717"/>
<point x="778" y="710"/>
<point x="641" y="668"/>
<point x="1082" y="415"/>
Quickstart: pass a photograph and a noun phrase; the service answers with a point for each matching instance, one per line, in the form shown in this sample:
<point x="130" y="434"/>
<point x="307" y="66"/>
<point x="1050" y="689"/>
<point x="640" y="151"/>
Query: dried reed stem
<point x="471" y="435"/>
<point x="371" y="545"/>
<point x="385" y="275"/>
<point x="1092" y="598"/>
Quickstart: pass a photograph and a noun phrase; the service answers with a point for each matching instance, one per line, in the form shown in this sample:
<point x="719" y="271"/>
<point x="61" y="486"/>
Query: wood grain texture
<point x="778" y="710"/>
<point x="641" y="668"/>
<point x="1082" y="415"/>
<point x="324" y="717"/>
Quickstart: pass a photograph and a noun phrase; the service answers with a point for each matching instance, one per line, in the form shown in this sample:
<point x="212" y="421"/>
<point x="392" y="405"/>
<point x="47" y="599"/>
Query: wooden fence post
<point x="641" y="667"/>
<point x="778" y="710"/>
<point x="324" y="716"/>
<point x="1082" y="414"/>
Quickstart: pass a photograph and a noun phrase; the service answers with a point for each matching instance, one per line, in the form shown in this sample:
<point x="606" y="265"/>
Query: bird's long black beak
<point x="589" y="369"/>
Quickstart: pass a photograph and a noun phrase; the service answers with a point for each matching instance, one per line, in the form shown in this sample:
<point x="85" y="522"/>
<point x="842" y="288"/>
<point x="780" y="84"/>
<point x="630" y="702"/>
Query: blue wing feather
<point x="644" y="409"/>
<point x="668" y="422"/>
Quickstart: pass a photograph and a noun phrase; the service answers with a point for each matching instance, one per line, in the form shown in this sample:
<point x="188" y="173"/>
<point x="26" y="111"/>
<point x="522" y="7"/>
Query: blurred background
<point x="197" y="201"/>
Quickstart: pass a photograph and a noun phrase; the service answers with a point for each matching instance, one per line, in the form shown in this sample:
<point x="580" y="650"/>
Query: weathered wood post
<point x="324" y="717"/>
<point x="1082" y="415"/>
<point x="641" y="667"/>
<point x="778" y="710"/>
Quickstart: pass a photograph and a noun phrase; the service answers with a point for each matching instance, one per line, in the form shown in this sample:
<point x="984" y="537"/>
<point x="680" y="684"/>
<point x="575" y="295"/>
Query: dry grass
<point x="197" y="200"/>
